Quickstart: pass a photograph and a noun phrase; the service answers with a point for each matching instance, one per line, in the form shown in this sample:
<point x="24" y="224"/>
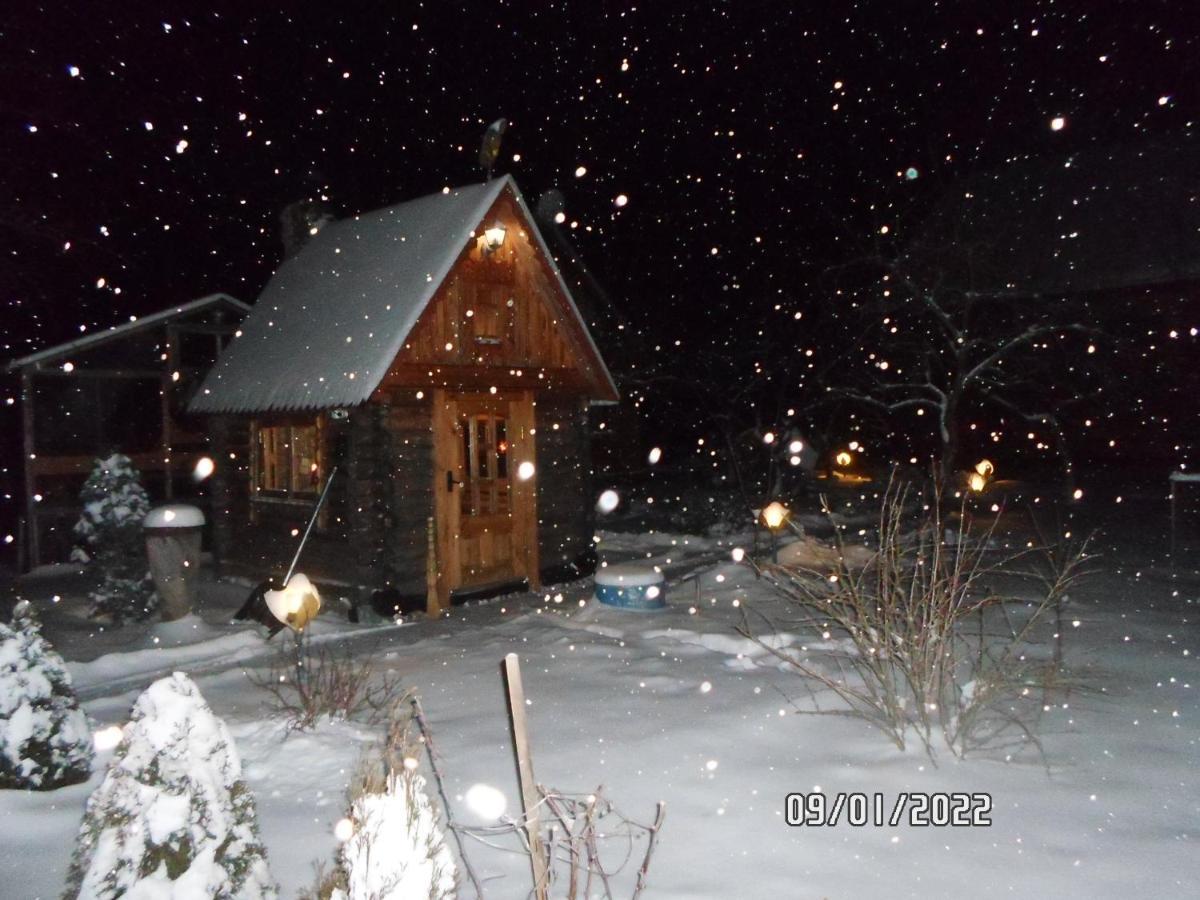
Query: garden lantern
<point x="775" y="517"/>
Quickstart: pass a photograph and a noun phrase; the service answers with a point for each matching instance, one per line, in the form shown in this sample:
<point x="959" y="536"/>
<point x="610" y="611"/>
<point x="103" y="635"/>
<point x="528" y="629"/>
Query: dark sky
<point x="148" y="148"/>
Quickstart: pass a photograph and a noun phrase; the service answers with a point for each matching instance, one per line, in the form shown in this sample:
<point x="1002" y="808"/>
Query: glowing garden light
<point x="843" y="458"/>
<point x="774" y="515"/>
<point x="976" y="482"/>
<point x="985" y="468"/>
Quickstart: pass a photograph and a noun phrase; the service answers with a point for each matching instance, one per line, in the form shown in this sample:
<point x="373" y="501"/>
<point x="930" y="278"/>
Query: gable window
<point x="287" y="460"/>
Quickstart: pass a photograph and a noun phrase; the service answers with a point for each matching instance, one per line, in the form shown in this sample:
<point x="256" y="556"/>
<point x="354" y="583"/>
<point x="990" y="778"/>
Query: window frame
<point x="289" y="495"/>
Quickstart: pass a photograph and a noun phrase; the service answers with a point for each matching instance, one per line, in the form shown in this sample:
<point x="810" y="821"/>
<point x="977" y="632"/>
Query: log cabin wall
<point x="407" y="486"/>
<point x="255" y="537"/>
<point x="565" y="504"/>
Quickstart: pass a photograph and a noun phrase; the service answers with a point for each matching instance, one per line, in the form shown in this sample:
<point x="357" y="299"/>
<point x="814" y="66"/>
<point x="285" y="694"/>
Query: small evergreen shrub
<point x="109" y="532"/>
<point x="172" y="817"/>
<point x="45" y="742"/>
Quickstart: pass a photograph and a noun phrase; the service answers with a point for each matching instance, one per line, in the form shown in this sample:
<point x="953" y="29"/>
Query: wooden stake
<point x="529" y="793"/>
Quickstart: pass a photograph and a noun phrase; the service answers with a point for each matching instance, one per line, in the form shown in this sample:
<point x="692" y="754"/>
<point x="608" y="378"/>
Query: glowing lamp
<point x="297" y="604"/>
<point x="493" y="238"/>
<point x="774" y="515"/>
<point x="843" y="458"/>
<point x="976" y="482"/>
<point x="985" y="468"/>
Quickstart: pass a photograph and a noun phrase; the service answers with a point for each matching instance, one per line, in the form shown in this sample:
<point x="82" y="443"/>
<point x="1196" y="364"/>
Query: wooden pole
<point x="529" y="793"/>
<point x="29" y="447"/>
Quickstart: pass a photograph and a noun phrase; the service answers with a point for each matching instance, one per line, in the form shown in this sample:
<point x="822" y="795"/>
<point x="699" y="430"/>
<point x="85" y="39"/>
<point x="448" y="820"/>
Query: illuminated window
<point x="287" y="460"/>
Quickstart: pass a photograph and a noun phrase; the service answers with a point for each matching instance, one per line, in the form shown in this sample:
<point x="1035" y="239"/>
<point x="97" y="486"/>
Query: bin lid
<point x="174" y="515"/>
<point x="629" y="575"/>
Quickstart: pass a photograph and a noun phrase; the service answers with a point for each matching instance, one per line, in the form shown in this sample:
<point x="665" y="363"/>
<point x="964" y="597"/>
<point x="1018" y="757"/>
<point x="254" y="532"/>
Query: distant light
<point x="608" y="501"/>
<point x="525" y="471"/>
<point x="655" y="455"/>
<point x="774" y="515"/>
<point x="73" y="71"/>
<point x="344" y="830"/>
<point x="1078" y="495"/>
<point x="486" y="801"/>
<point x="580" y="172"/>
<point x="794" y="460"/>
<point x="738" y="554"/>
<point x="1164" y="100"/>
<point x="1057" y="123"/>
<point x="107" y="738"/>
<point x="621" y="200"/>
<point x="795" y="446"/>
<point x="769" y="437"/>
<point x="560" y="217"/>
<point x="149" y="126"/>
<point x="204" y="467"/>
<point x="181" y="146"/>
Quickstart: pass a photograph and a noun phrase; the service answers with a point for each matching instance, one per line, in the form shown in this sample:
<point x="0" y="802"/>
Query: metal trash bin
<point x="173" y="548"/>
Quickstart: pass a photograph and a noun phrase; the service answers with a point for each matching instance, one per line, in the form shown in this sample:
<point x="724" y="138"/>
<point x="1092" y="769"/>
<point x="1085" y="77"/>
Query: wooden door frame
<point x="521" y="435"/>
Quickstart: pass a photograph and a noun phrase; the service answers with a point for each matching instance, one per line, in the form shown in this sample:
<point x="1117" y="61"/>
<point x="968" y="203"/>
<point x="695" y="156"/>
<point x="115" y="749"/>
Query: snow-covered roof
<point x="333" y="317"/>
<point x="90" y="341"/>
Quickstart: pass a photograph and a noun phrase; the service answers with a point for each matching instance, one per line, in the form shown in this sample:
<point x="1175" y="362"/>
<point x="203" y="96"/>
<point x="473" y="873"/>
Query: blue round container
<point x="631" y="586"/>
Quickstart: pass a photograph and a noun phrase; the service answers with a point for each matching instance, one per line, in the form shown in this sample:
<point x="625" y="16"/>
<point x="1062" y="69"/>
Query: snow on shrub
<point x="394" y="848"/>
<point x="397" y="850"/>
<point x="172" y="818"/>
<point x="45" y="742"/>
<point x="109" y="531"/>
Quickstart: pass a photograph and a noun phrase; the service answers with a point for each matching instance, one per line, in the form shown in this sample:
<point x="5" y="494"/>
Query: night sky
<point x="148" y="149"/>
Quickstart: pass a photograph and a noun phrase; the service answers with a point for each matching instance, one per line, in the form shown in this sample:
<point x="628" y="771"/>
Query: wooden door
<point x="484" y="482"/>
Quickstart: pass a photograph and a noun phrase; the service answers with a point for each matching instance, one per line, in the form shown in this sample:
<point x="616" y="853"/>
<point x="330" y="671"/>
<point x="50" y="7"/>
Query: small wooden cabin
<point x="434" y="354"/>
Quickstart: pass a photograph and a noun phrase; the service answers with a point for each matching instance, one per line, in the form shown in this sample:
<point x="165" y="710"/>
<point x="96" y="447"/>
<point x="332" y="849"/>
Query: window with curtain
<point x="288" y="460"/>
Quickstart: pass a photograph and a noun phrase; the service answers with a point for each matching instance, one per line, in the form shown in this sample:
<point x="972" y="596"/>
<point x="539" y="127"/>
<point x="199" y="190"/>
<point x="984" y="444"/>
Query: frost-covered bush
<point x="172" y="818"/>
<point x="45" y="742"/>
<point x="109" y="532"/>
<point x="396" y="849"/>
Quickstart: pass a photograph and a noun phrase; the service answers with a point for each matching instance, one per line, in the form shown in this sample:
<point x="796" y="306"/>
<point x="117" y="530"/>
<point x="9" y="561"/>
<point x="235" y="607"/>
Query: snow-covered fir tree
<point x="172" y="818"/>
<point x="110" y="535"/>
<point x="45" y="742"/>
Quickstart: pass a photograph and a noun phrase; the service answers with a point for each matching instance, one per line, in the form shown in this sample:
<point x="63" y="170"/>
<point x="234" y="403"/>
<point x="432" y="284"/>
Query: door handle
<point x="451" y="481"/>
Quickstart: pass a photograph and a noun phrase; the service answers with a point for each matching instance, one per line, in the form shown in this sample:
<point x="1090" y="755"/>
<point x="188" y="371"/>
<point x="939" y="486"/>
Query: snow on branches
<point x="45" y="742"/>
<point x="172" y="817"/>
<point x="109" y="531"/>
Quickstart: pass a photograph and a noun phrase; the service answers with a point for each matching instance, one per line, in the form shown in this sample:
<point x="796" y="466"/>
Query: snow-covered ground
<point x="676" y="706"/>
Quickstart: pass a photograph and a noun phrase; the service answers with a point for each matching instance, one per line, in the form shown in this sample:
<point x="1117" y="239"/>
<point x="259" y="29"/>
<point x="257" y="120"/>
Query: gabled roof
<point x="334" y="317"/>
<point x="91" y="341"/>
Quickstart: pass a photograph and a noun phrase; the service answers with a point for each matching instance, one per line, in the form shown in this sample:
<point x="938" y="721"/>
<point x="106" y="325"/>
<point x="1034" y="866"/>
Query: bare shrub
<point x="307" y="684"/>
<point x="938" y="634"/>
